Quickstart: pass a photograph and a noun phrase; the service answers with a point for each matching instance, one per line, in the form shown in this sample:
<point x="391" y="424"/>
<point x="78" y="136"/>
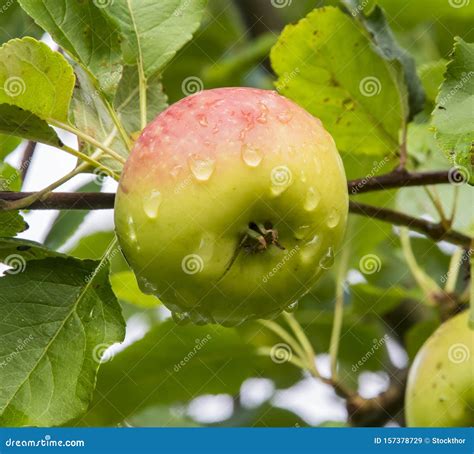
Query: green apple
<point x="440" y="390"/>
<point x="231" y="205"/>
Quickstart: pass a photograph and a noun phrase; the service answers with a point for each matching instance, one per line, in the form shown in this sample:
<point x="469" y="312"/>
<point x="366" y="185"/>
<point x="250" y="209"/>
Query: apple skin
<point x="199" y="174"/>
<point x="440" y="389"/>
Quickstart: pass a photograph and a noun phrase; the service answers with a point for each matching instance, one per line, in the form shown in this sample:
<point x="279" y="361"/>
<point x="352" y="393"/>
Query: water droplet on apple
<point x="317" y="165"/>
<point x="262" y="118"/>
<point x="251" y="156"/>
<point x="302" y="232"/>
<point x="333" y="219"/>
<point x="181" y="318"/>
<point x="152" y="203"/>
<point x="132" y="234"/>
<point x="202" y="120"/>
<point x="303" y="177"/>
<point x="292" y="307"/>
<point x="146" y="286"/>
<point x="202" y="169"/>
<point x="175" y="171"/>
<point x="312" y="199"/>
<point x="284" y="117"/>
<point x="310" y="249"/>
<point x="328" y="260"/>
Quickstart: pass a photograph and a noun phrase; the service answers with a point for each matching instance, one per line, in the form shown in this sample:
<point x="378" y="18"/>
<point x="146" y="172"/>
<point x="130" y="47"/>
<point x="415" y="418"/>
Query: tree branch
<point x="27" y="158"/>
<point x="401" y="178"/>
<point x="432" y="230"/>
<point x="65" y="200"/>
<point x="395" y="179"/>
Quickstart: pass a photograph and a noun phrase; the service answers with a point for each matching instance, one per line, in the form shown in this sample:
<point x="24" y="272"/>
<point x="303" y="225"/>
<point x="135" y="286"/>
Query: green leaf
<point x="431" y="75"/>
<point x="152" y="32"/>
<point x="67" y="222"/>
<point x="328" y="64"/>
<point x="228" y="70"/>
<point x="57" y="317"/>
<point x="8" y="144"/>
<point x="127" y="101"/>
<point x="11" y="223"/>
<point x="418" y="334"/>
<point x="28" y="250"/>
<point x="82" y="30"/>
<point x="367" y="298"/>
<point x="265" y="415"/>
<point x="125" y="287"/>
<point x="91" y="116"/>
<point x="170" y="364"/>
<point x="16" y="23"/>
<point x="376" y="24"/>
<point x="10" y="178"/>
<point x="453" y="118"/>
<point x="214" y="40"/>
<point x="92" y="246"/>
<point x="22" y="123"/>
<point x="35" y="78"/>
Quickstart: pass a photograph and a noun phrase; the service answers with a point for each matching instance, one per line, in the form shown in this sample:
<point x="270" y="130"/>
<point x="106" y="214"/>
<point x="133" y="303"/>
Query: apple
<point x="231" y="204"/>
<point x="440" y="389"/>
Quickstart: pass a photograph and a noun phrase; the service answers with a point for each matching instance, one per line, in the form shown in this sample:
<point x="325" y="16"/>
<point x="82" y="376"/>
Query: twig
<point x="27" y="158"/>
<point x="400" y="179"/>
<point x="65" y="200"/>
<point x="432" y="230"/>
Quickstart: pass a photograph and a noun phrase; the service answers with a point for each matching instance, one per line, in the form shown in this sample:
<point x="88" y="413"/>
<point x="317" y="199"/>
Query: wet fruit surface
<point x="440" y="391"/>
<point x="231" y="205"/>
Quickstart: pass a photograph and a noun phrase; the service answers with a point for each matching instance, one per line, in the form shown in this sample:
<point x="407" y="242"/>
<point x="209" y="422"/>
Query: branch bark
<point x="401" y="178"/>
<point x="433" y="230"/>
<point x="395" y="179"/>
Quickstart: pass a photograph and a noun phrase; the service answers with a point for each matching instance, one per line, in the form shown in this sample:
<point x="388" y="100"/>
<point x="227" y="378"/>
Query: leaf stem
<point x="427" y="284"/>
<point x="338" y="312"/>
<point x="304" y="342"/>
<point x="142" y="87"/>
<point x="267" y="351"/>
<point x="284" y="335"/>
<point x="118" y="124"/>
<point x="453" y="270"/>
<point x="89" y="139"/>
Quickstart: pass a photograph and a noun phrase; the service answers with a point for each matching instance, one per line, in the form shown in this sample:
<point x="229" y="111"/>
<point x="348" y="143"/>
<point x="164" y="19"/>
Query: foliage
<point x="391" y="86"/>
